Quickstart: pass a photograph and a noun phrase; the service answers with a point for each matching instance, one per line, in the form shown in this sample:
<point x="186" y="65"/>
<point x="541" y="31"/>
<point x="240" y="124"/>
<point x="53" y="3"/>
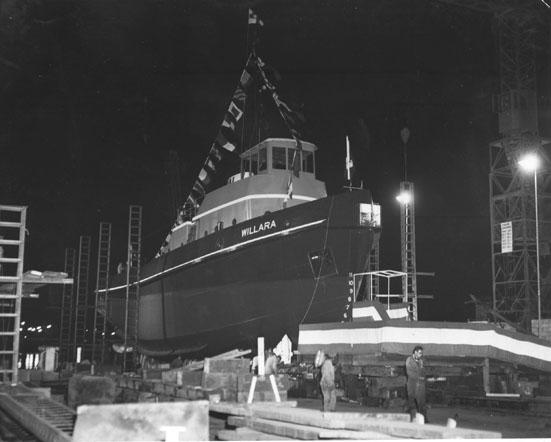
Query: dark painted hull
<point x="223" y="291"/>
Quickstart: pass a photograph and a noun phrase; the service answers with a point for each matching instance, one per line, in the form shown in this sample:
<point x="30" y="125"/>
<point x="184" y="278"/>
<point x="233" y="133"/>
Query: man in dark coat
<point x="416" y="383"/>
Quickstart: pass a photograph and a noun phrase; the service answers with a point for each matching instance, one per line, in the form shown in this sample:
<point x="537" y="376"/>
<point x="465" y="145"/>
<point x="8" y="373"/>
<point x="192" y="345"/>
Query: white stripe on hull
<point x="218" y="252"/>
<point x="424" y="335"/>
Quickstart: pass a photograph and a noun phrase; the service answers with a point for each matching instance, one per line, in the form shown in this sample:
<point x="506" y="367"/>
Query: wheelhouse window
<point x="308" y="161"/>
<point x="262" y="160"/>
<point x="370" y="215"/>
<point x="290" y="156"/>
<point x="246" y="165"/>
<point x="254" y="163"/>
<point x="278" y="158"/>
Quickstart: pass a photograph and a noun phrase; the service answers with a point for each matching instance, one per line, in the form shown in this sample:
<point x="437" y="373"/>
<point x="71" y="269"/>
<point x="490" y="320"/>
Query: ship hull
<point x="262" y="277"/>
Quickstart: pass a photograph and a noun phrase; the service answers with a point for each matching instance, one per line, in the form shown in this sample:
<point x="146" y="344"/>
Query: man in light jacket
<point x="327" y="382"/>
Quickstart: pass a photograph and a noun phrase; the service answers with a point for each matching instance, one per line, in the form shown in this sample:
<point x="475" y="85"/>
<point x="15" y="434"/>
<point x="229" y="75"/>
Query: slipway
<point x="439" y="339"/>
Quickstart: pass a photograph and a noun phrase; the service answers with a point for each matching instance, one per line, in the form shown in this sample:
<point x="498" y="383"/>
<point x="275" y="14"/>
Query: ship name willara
<point x="268" y="225"/>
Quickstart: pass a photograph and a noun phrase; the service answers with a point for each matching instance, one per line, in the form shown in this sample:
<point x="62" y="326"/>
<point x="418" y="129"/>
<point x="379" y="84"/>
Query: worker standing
<point x="271" y="363"/>
<point x="415" y="371"/>
<point x="327" y="381"/>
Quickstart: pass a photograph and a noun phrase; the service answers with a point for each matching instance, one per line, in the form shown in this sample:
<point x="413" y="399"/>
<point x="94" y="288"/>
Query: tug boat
<point x="258" y="256"/>
<point x="254" y="262"/>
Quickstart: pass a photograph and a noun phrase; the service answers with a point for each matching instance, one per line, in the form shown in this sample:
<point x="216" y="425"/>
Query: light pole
<point x="407" y="236"/>
<point x="531" y="163"/>
<point x="404" y="134"/>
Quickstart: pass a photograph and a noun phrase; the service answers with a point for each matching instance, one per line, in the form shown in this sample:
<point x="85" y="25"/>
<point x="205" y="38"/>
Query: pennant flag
<point x="289" y="188"/>
<point x="239" y="96"/>
<point x="203" y="175"/>
<point x="210" y="165"/>
<point x="215" y="153"/>
<point x="295" y="166"/>
<point x="191" y="200"/>
<point x="246" y="79"/>
<point x="254" y="19"/>
<point x="198" y="188"/>
<point x="290" y="118"/>
<point x="235" y="111"/>
<point x="254" y="29"/>
<point x="223" y="142"/>
<point x="229" y="123"/>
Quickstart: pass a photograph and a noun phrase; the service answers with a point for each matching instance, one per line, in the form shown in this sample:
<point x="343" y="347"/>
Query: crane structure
<point x="513" y="197"/>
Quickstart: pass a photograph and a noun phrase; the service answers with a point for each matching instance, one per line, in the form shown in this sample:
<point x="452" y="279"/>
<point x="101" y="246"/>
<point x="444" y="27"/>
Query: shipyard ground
<point x="509" y="423"/>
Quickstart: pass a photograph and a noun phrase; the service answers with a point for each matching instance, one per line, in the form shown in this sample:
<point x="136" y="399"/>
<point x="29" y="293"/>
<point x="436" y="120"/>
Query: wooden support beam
<point x="244" y="433"/>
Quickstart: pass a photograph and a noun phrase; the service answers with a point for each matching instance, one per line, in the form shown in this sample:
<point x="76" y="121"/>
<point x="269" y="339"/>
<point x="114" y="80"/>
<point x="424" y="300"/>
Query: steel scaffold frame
<point x="407" y="236"/>
<point x="132" y="299"/>
<point x="81" y="304"/>
<point x="66" y="322"/>
<point x="102" y="284"/>
<point x="11" y="262"/>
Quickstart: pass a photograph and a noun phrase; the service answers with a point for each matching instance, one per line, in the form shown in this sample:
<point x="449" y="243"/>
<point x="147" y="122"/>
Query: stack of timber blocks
<point x="219" y="381"/>
<point x="230" y="380"/>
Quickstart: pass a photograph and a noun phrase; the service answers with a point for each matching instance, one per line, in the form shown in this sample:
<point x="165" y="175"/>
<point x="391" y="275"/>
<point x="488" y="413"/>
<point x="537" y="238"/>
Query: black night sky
<point x="94" y="94"/>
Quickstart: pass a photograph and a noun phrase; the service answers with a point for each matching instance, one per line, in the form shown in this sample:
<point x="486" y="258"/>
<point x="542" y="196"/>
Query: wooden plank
<point x="413" y="430"/>
<point x="237" y="421"/>
<point x="284" y="429"/>
<point x="244" y="433"/>
<point x="333" y="420"/>
<point x="247" y="409"/>
<point x="232" y="354"/>
<point x="354" y="435"/>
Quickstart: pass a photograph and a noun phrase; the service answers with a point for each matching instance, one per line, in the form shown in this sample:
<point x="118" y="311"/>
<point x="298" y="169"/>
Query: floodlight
<point x="529" y="162"/>
<point x="404" y="198"/>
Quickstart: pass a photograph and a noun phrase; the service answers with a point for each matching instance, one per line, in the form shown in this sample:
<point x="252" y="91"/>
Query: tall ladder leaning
<point x="81" y="305"/>
<point x="12" y="252"/>
<point x="132" y="301"/>
<point x="373" y="266"/>
<point x="407" y="228"/>
<point x="102" y="284"/>
<point x="66" y="324"/>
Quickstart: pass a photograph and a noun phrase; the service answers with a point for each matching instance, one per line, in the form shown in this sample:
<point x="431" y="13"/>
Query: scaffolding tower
<point x="81" y="304"/>
<point x="132" y="298"/>
<point x="518" y="24"/>
<point x="407" y="236"/>
<point x="12" y="252"/>
<point x="66" y="322"/>
<point x="513" y="230"/>
<point x="512" y="195"/>
<point x="102" y="284"/>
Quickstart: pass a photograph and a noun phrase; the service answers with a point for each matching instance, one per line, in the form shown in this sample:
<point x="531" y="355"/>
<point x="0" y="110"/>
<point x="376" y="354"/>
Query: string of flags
<point x="226" y="141"/>
<point x="290" y="118"/>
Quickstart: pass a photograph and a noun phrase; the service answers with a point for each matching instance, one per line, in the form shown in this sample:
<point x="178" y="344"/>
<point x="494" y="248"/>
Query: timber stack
<point x="268" y="421"/>
<point x="224" y="377"/>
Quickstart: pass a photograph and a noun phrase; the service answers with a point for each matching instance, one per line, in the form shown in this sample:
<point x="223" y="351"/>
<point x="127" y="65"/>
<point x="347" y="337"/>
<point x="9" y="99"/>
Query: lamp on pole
<point x="407" y="237"/>
<point x="531" y="163"/>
